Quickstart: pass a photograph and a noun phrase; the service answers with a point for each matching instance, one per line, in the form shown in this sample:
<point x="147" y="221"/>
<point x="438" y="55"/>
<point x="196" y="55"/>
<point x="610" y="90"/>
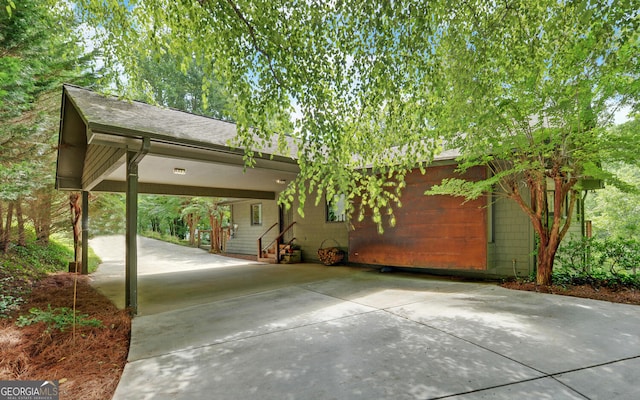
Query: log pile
<point x="330" y="255"/>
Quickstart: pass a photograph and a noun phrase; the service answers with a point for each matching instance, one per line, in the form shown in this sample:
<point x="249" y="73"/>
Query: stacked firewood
<point x="330" y="255"/>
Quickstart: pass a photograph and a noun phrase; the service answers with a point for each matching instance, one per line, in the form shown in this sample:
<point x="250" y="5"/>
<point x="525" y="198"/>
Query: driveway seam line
<point x="501" y="386"/>
<point x="545" y="374"/>
<point x="569" y="387"/>
<point x="557" y="374"/>
<point x="242" y="296"/>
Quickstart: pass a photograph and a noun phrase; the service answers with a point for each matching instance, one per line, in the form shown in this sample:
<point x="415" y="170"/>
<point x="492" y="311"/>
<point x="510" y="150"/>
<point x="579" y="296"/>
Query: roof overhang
<point x="97" y="132"/>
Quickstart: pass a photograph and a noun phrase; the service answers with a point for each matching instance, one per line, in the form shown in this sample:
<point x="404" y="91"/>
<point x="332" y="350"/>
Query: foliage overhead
<point x="359" y="85"/>
<point x="377" y="87"/>
<point x="524" y="88"/>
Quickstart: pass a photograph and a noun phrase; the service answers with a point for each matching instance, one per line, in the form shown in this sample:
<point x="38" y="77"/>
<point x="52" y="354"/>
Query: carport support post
<point x="131" y="254"/>
<point x="85" y="232"/>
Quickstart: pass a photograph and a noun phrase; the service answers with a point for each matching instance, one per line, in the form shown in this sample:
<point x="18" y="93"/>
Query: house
<point x="106" y="144"/>
<point x="439" y="234"/>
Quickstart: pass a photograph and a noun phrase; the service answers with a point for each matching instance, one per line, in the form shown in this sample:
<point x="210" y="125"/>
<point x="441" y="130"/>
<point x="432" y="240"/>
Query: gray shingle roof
<point x="111" y="115"/>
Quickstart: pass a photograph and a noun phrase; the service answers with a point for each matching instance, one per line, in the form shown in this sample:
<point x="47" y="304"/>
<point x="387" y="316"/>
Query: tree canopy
<point x="366" y="78"/>
<point x="165" y="80"/>
<point x="39" y="49"/>
<point x="615" y="212"/>
<point x="371" y="90"/>
<point x="534" y="103"/>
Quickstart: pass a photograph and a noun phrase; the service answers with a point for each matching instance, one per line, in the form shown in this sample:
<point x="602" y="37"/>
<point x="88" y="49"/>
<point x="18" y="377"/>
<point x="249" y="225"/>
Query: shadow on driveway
<point x="231" y="329"/>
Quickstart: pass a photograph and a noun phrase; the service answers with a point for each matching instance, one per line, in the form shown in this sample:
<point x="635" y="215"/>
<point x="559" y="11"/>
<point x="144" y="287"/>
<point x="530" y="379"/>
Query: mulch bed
<point x="618" y="295"/>
<point x="88" y="364"/>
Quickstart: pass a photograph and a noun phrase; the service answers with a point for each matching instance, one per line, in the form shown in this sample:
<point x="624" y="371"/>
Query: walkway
<point x="218" y="328"/>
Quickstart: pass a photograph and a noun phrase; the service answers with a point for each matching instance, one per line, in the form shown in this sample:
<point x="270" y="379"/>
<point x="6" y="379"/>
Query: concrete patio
<point x="212" y="327"/>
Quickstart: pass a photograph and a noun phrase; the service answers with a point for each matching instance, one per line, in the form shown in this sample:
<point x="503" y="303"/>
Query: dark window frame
<point x="336" y="211"/>
<point x="256" y="219"/>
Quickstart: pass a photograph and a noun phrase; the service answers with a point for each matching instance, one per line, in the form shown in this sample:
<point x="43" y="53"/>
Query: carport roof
<point x="97" y="131"/>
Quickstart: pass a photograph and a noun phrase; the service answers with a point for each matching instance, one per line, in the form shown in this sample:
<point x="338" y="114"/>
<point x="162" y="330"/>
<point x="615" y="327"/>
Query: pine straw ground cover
<point x="88" y="365"/>
<point x="621" y="294"/>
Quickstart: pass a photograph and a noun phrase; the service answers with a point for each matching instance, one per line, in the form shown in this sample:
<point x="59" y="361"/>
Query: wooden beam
<point x="172" y="190"/>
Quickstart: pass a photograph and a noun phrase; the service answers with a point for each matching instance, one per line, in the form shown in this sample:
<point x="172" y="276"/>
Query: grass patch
<point x="67" y="242"/>
<point x="165" y="238"/>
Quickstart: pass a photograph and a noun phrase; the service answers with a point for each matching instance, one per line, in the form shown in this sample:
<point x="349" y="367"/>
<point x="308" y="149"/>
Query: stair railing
<point x="260" y="249"/>
<point x="277" y="241"/>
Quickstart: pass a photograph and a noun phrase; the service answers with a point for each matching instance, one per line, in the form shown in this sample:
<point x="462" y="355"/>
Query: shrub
<point x="11" y="296"/>
<point x="57" y="318"/>
<point x="576" y="256"/>
<point x="611" y="262"/>
<point x="621" y="254"/>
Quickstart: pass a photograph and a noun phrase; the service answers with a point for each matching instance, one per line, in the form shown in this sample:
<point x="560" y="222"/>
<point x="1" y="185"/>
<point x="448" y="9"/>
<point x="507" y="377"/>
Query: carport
<point x="111" y="145"/>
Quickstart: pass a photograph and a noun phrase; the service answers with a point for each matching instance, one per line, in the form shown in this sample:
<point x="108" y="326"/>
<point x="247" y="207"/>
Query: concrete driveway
<point x="211" y="327"/>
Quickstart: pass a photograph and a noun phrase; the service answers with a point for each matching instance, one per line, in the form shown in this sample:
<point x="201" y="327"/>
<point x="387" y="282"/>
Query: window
<point x="256" y="214"/>
<point x="337" y="209"/>
<point x="551" y="203"/>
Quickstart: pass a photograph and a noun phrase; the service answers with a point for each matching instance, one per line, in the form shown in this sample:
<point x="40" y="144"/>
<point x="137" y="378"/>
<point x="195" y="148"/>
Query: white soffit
<point x="156" y="169"/>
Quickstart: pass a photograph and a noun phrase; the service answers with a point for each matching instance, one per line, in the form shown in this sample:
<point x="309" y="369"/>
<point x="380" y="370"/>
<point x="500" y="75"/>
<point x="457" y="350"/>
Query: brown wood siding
<point x="430" y="231"/>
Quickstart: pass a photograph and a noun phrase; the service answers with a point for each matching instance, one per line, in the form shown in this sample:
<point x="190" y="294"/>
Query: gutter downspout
<point x="131" y="246"/>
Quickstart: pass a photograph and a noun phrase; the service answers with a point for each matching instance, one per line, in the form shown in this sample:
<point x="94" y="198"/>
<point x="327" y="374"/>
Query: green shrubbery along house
<point x="113" y="145"/>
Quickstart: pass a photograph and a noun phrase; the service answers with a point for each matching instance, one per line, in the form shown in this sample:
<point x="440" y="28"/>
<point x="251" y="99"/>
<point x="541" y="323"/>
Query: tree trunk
<point x="192" y="222"/>
<point x="22" y="240"/>
<point x="215" y="231"/>
<point x="76" y="212"/>
<point x="42" y="217"/>
<point x="544" y="268"/>
<point x="7" y="229"/>
<point x="40" y="211"/>
<point x="172" y="227"/>
<point x="552" y="232"/>
<point x="2" y="233"/>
